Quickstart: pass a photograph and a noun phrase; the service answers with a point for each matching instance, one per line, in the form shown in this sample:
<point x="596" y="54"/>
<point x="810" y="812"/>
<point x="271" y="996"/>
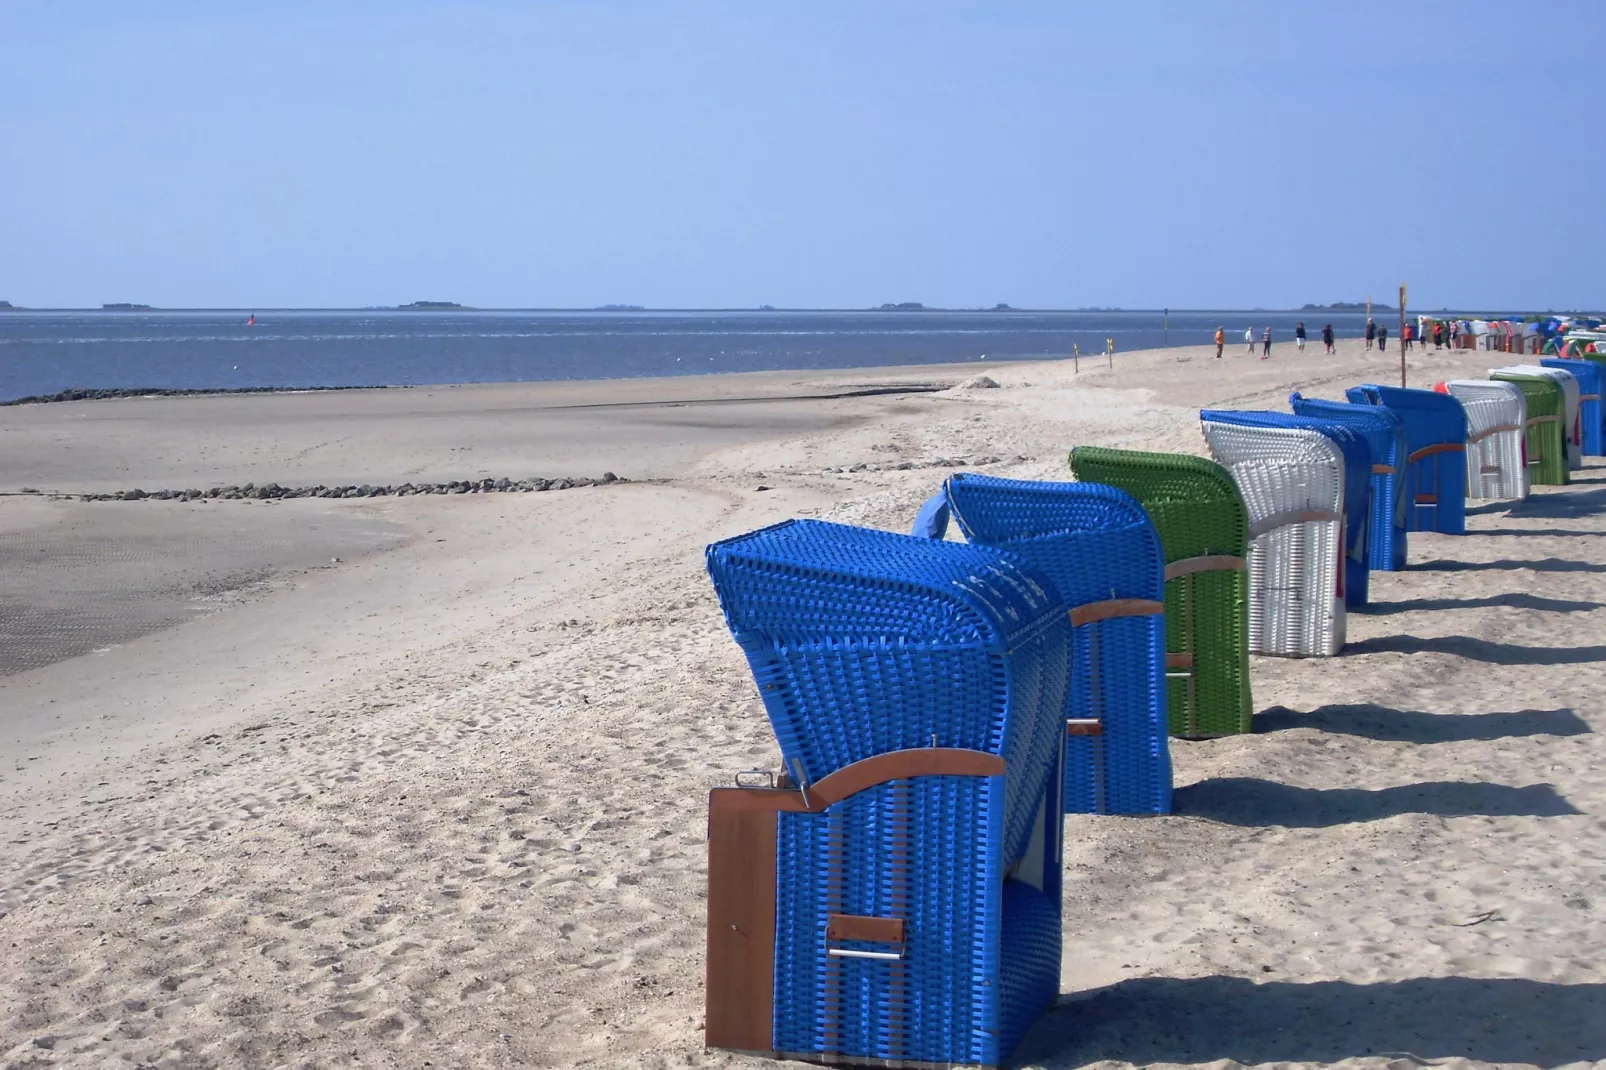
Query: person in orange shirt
<point x="1221" y="340"/>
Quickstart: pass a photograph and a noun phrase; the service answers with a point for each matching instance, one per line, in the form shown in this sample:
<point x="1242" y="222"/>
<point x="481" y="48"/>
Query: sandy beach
<point x="421" y="781"/>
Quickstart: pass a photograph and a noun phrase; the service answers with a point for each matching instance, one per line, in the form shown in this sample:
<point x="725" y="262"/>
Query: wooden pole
<point x="1402" y="335"/>
<point x="1076" y="357"/>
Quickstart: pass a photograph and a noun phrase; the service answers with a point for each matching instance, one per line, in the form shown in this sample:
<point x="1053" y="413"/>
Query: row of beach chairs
<point x="892" y="896"/>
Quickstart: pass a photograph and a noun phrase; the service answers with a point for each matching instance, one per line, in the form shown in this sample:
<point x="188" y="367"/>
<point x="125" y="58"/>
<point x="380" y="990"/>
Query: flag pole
<point x="1402" y="335"/>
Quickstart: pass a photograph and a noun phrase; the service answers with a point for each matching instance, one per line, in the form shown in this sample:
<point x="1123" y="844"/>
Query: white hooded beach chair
<point x="1572" y="440"/>
<point x="1292" y="482"/>
<point x="1496" y="416"/>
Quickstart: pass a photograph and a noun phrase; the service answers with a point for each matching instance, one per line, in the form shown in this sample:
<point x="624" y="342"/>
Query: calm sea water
<point x="45" y="352"/>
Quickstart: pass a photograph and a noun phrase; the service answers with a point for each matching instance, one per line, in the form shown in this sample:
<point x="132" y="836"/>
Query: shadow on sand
<point x="1205" y="1019"/>
<point x="1564" y="504"/>
<point x="1538" y="532"/>
<point x="1478" y="650"/>
<point x="1416" y="726"/>
<point x="1256" y="803"/>
<point x="1546" y="564"/>
<point x="1514" y="601"/>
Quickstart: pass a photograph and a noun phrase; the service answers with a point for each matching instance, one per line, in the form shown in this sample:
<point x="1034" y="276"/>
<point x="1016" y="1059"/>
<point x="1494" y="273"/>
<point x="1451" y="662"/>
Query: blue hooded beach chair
<point x="1097" y="546"/>
<point x="896" y="898"/>
<point x="1589" y="375"/>
<point x="1436" y="461"/>
<point x="1357" y="485"/>
<point x="1384" y="432"/>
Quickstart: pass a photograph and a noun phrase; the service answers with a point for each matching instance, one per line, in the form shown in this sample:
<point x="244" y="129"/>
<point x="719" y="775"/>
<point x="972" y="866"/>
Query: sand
<point x="442" y="802"/>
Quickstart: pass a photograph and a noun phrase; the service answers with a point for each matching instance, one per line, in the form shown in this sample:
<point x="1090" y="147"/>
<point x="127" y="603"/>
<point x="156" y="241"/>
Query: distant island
<point x="766" y="308"/>
<point x="6" y="304"/>
<point x="1347" y="306"/>
<point x="901" y="306"/>
<point x="123" y="306"/>
<point x="428" y="306"/>
<point x="1002" y="308"/>
<point x="621" y="308"/>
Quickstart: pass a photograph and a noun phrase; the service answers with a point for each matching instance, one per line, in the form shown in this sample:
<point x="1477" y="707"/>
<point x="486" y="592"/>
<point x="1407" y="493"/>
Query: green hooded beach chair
<point x="1542" y="433"/>
<point x="1204" y="536"/>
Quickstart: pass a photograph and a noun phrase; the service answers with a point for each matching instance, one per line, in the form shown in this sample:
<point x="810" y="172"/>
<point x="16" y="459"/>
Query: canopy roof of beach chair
<point x="1193" y="501"/>
<point x="864" y="642"/>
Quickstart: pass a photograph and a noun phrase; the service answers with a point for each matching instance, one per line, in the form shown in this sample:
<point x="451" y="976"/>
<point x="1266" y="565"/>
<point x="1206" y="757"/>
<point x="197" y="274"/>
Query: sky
<point x="1129" y="153"/>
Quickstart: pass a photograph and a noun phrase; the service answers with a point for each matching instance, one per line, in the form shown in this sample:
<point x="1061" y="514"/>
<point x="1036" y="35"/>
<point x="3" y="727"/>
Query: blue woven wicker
<point x="1590" y="382"/>
<point x="1097" y="545"/>
<point x="1436" y="461"/>
<point x="867" y="643"/>
<point x="1357" y="485"/>
<point x="1384" y="432"/>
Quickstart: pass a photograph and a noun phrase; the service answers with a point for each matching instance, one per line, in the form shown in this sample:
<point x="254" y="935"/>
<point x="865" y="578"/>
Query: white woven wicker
<point x="1572" y="433"/>
<point x="1292" y="482"/>
<point x="1496" y="413"/>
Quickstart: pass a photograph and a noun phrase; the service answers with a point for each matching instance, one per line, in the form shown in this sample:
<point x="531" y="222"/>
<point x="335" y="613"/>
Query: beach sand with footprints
<point x="421" y="780"/>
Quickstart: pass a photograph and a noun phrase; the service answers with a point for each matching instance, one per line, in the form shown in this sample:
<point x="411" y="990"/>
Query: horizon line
<point x="626" y="310"/>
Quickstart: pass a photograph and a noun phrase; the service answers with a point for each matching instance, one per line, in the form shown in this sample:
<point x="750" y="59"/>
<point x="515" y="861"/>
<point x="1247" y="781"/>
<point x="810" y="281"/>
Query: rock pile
<point x="935" y="462"/>
<point x="78" y="393"/>
<point x="269" y="491"/>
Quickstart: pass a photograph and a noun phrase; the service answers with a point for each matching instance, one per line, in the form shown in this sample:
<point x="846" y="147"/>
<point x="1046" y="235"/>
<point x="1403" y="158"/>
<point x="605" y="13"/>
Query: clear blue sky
<point x="1189" y="154"/>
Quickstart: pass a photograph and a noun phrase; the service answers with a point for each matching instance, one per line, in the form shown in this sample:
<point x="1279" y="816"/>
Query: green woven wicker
<point x="1547" y="461"/>
<point x="1196" y="507"/>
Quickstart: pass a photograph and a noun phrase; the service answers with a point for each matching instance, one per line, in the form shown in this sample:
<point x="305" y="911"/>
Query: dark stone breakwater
<point x="273" y="491"/>
<point x="110" y="393"/>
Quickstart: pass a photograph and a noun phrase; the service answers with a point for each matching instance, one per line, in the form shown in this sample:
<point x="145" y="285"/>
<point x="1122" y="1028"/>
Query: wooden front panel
<point x="861" y="927"/>
<point x="740" y="969"/>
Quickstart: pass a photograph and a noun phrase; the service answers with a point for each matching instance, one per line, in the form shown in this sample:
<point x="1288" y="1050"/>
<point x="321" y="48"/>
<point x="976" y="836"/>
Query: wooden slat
<point x="1084" y="726"/>
<point x="1091" y="612"/>
<point x="1382" y="469"/>
<point x="1552" y="418"/>
<point x="1179" y="661"/>
<point x="1207" y="563"/>
<point x="1486" y="432"/>
<point x="900" y="765"/>
<point x="1293" y="516"/>
<point x="863" y="927"/>
<point x="739" y="980"/>
<point x="1437" y="447"/>
<point x="1427" y="499"/>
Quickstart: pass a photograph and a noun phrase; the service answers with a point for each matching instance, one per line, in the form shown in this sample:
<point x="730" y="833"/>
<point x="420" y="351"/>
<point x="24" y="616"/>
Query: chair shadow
<point x="1254" y="803"/>
<point x="1149" y="1020"/>
<point x="1417" y="726"/>
<point x="1513" y="601"/>
<point x="1484" y="650"/>
<point x="1578" y="503"/>
<point x="1548" y="564"/>
<point x="1490" y="507"/>
<point x="1535" y="531"/>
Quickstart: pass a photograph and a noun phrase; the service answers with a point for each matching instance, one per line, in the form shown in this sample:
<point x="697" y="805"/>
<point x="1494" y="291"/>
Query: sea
<point x="46" y="352"/>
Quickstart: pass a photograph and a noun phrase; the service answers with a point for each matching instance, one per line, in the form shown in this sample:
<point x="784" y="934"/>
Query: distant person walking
<point x="1455" y="333"/>
<point x="1249" y="338"/>
<point x="1221" y="340"/>
<point x="1327" y="337"/>
<point x="1265" y="343"/>
<point x="1438" y="335"/>
<point x="1371" y="332"/>
<point x="1407" y="335"/>
<point x="1299" y="336"/>
<point x="1382" y="337"/>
